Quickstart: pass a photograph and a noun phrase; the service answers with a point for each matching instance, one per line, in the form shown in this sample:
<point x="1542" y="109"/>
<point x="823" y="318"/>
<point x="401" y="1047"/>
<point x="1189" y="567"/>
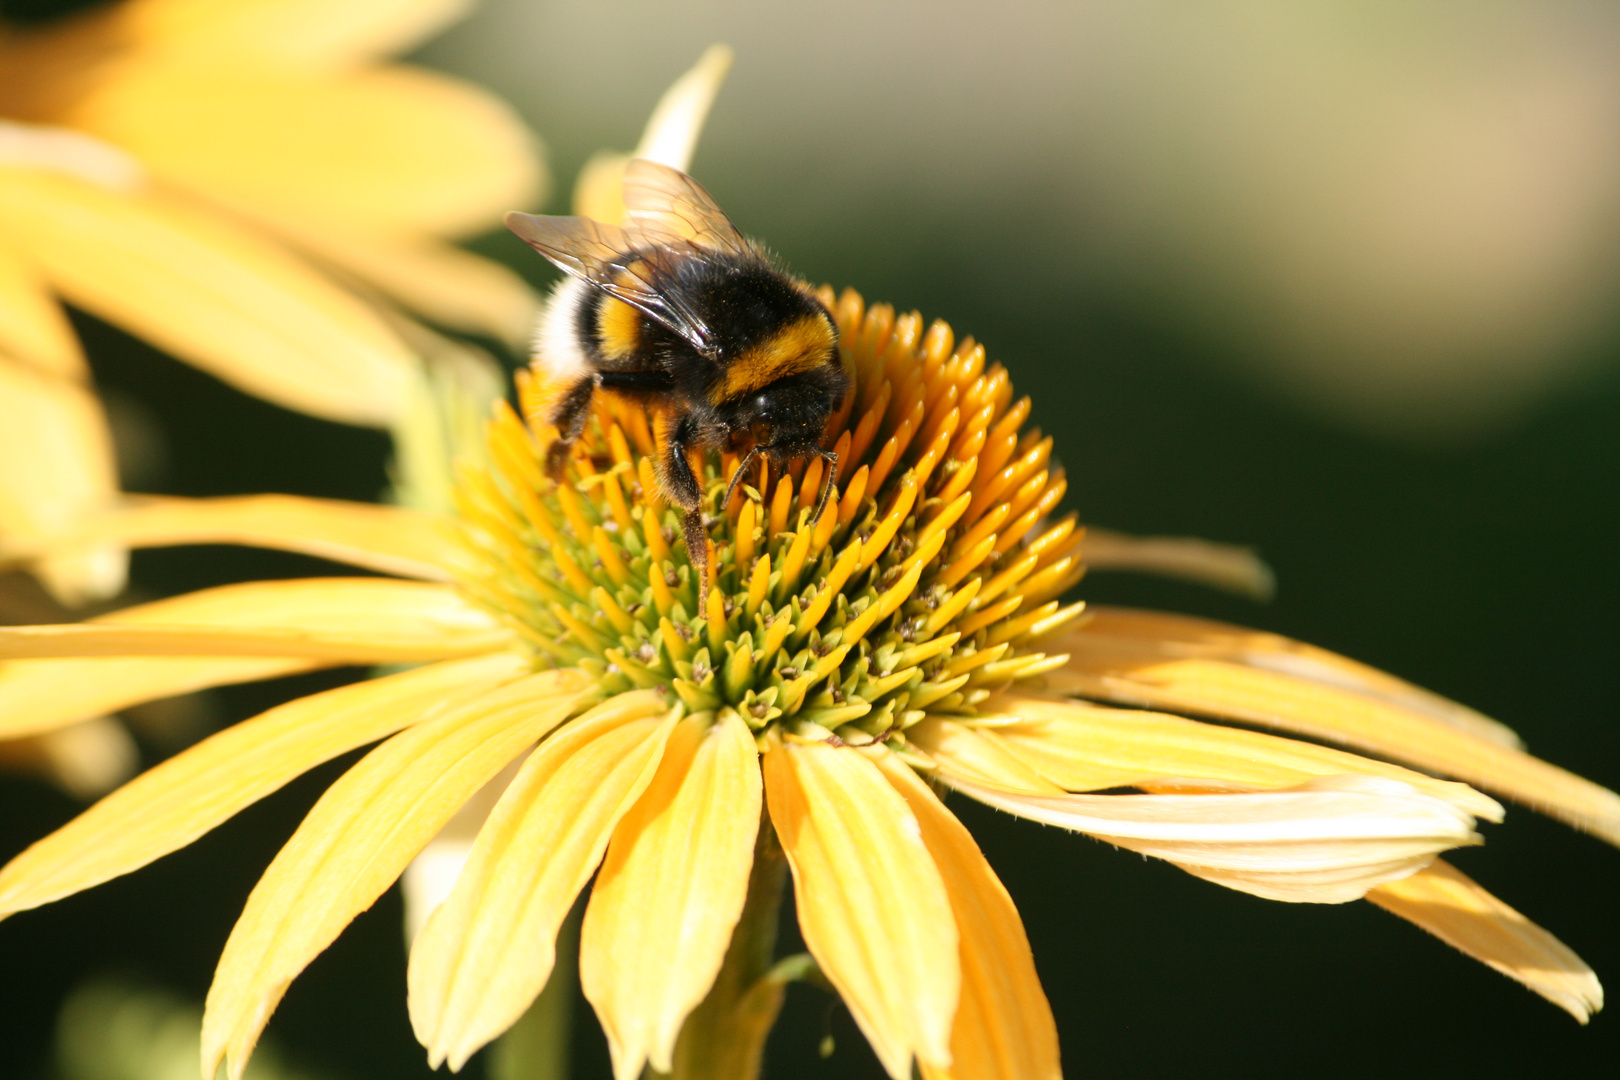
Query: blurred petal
<point x="486" y="953"/>
<point x="670" y="891"/>
<point x="313" y="33"/>
<point x="1003" y="1026"/>
<point x="356" y="841"/>
<point x="670" y="137"/>
<point x="872" y="905"/>
<point x="1085" y="747"/>
<point x="171" y="804"/>
<point x="1325" y="841"/>
<point x="33" y="328"/>
<point x="1220" y="566"/>
<point x="1448" y="904"/>
<point x="85" y="759"/>
<point x="1174" y="662"/>
<point x="38" y="695"/>
<point x="210" y="293"/>
<point x="389" y="539"/>
<point x="449" y="286"/>
<point x="392" y="149"/>
<point x="56" y="464"/>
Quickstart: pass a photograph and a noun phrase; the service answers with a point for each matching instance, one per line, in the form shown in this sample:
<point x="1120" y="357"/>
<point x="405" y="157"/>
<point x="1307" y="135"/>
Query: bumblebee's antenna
<point x="827" y="482"/>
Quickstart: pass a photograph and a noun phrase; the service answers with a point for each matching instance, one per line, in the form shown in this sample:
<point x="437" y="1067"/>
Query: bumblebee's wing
<point x="666" y="206"/>
<point x="606" y="257"/>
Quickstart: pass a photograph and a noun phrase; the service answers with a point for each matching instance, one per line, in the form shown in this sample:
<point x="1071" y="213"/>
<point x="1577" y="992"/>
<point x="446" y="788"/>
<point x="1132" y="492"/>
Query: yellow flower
<point x="239" y="182"/>
<point x="913" y="640"/>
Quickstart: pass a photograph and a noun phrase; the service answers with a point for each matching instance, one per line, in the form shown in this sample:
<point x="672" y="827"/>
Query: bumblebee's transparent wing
<point x="606" y="257"/>
<point x="666" y="206"/>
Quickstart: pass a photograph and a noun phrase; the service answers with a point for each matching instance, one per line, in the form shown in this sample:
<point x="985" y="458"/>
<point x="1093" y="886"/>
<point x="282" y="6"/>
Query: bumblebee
<point x="677" y="309"/>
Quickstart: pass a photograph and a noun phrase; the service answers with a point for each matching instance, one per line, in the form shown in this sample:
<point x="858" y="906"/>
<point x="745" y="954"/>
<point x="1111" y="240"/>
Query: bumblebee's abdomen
<point x="618" y="330"/>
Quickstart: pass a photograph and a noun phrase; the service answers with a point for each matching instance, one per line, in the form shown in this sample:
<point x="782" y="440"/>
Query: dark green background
<point x="1485" y="572"/>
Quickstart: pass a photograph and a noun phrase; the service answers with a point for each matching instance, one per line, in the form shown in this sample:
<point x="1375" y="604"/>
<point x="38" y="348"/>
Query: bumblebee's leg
<point x="827" y="483"/>
<point x="569" y="419"/>
<point x="737" y="477"/>
<point x="681" y="487"/>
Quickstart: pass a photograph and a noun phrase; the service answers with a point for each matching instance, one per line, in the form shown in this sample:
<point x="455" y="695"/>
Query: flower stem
<point x="724" y="1038"/>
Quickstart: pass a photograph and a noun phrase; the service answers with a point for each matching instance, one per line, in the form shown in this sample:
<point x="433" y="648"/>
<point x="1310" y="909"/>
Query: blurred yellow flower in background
<point x="249" y="186"/>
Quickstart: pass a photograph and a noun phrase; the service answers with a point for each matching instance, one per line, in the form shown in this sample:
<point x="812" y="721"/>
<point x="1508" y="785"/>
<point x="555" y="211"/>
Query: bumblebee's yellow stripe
<point x="618" y="328"/>
<point x="798" y="346"/>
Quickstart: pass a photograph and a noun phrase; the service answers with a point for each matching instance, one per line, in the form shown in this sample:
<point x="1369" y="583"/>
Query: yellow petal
<point x="356" y="841"/>
<point x="173" y="803"/>
<point x="1085" y="747"/>
<point x="393" y="149"/>
<point x="389" y="539"/>
<point x="42" y="695"/>
<point x="1003" y="1026"/>
<point x="670" y="891"/>
<point x="38" y="695"/>
<point x="1173" y="662"/>
<point x="1448" y="904"/>
<point x="487" y="951"/>
<point x="56" y="464"/>
<point x="294" y="32"/>
<point x="33" y="328"/>
<point x="669" y="138"/>
<point x="872" y="905"/>
<point x="1135" y="634"/>
<point x="972" y="757"/>
<point x="209" y="292"/>
<point x="449" y="286"/>
<point x="1220" y="566"/>
<point x="86" y="639"/>
<point x="1325" y="841"/>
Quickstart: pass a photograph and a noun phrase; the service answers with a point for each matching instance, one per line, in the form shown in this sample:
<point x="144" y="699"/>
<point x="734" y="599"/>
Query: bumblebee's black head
<point x="785" y="419"/>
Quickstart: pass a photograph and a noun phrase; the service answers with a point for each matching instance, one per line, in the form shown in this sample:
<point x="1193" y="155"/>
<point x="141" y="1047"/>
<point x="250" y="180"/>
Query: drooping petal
<point x="33" y="328"/>
<point x="314" y="33"/>
<point x="173" y="803"/>
<point x="56" y="464"/>
<point x="38" y="695"/>
<point x="1183" y="664"/>
<point x="210" y="293"/>
<point x="1325" y="841"/>
<point x="1135" y="634"/>
<point x="670" y="892"/>
<point x="669" y="138"/>
<point x="389" y="539"/>
<point x="1448" y="904"/>
<point x="358" y="838"/>
<point x="487" y="951"/>
<point x="1220" y="566"/>
<point x="872" y="905"/>
<point x="1003" y="1025"/>
<point x="395" y="150"/>
<point x="1084" y="747"/>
